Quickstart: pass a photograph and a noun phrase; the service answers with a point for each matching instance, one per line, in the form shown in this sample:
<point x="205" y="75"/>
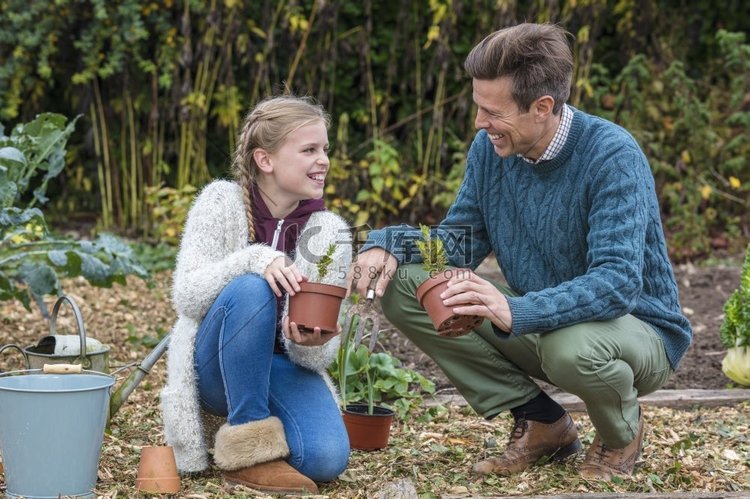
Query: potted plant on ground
<point x="435" y="262"/>
<point x="368" y="425"/>
<point x="735" y="330"/>
<point x="365" y="381"/>
<point x="318" y="302"/>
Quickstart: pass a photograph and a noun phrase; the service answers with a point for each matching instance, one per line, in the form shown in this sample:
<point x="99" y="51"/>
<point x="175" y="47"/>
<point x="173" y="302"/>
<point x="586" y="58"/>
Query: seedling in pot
<point x="435" y="262"/>
<point x="317" y="304"/>
<point x="432" y="251"/>
<point x="324" y="264"/>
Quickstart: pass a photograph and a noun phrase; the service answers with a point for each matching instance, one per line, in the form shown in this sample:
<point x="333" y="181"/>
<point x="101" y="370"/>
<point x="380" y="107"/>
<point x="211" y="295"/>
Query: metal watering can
<point x="87" y="353"/>
<point x="59" y="349"/>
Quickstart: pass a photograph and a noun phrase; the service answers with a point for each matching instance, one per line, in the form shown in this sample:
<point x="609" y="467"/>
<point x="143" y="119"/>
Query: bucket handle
<point x="62" y="369"/>
<point x="85" y="361"/>
<point x="25" y="357"/>
<point x="56" y="369"/>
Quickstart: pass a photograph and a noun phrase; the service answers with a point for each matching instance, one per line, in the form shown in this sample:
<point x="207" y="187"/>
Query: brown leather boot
<point x="274" y="476"/>
<point x="529" y="442"/>
<point x="603" y="462"/>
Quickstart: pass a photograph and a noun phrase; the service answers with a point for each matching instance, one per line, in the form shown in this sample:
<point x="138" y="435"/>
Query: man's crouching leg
<point x="477" y="366"/>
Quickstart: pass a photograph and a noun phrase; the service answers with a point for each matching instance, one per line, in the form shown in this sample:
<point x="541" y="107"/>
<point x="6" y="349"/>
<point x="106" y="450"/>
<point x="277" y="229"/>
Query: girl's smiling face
<point x="297" y="171"/>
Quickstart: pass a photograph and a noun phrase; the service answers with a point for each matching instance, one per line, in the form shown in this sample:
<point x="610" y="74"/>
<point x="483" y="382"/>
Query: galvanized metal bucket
<point x="94" y="357"/>
<point x="52" y="429"/>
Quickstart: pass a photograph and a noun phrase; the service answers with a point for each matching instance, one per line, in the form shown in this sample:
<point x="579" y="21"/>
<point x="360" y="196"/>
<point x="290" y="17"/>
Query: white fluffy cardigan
<point x="214" y="250"/>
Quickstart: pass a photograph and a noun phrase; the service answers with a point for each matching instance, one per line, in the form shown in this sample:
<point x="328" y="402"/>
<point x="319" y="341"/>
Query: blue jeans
<point x="241" y="378"/>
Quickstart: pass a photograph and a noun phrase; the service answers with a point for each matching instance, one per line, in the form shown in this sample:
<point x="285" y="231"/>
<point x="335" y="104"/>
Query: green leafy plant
<point x="431" y="248"/>
<point x="376" y="378"/>
<point x="32" y="259"/>
<point x="155" y="257"/>
<point x="735" y="330"/>
<point x="324" y="264"/>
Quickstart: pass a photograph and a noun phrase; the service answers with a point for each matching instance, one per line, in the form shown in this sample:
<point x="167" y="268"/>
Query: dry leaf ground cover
<point x="702" y="449"/>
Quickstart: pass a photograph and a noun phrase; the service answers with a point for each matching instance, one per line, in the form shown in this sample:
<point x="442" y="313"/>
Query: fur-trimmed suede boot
<point x="252" y="454"/>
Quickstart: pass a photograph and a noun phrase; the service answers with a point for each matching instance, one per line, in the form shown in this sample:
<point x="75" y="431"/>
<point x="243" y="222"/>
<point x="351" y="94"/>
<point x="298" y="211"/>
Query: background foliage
<point x="162" y="86"/>
<point x="32" y="258"/>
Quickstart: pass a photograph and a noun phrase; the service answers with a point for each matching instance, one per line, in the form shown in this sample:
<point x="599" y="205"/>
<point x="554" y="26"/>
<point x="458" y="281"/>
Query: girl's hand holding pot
<point x="316" y="338"/>
<point x="282" y="273"/>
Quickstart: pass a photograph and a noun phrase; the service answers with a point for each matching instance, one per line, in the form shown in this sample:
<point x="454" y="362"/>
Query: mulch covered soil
<point x="686" y="450"/>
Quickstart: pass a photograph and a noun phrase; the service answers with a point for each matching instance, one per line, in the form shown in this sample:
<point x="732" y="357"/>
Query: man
<point x="566" y="202"/>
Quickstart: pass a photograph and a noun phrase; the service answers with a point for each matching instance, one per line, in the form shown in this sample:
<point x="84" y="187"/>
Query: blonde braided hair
<point x="266" y="127"/>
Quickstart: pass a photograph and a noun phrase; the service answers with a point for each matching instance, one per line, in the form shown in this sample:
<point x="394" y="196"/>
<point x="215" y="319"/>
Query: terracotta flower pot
<point x="157" y="471"/>
<point x="316" y="305"/>
<point x="445" y="321"/>
<point x="367" y="431"/>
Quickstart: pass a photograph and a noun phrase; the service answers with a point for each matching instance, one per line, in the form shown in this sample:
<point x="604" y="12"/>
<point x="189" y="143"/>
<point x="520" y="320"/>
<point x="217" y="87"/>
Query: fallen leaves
<point x="698" y="449"/>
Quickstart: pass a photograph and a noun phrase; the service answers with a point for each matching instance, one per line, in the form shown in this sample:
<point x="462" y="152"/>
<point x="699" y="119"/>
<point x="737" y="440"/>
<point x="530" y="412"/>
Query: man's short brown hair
<point x="537" y="57"/>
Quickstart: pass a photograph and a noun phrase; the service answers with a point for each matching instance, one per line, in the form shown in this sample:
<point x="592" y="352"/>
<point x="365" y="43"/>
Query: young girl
<point x="230" y="354"/>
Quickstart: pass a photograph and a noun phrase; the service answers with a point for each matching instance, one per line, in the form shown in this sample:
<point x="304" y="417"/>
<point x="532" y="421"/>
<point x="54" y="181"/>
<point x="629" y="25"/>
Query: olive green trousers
<point x="608" y="364"/>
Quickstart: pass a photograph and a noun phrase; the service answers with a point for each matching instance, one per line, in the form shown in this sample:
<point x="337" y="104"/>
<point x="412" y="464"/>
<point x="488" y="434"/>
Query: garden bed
<point x="687" y="450"/>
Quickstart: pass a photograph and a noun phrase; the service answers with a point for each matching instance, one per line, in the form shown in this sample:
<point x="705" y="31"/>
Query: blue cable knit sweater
<point x="578" y="238"/>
